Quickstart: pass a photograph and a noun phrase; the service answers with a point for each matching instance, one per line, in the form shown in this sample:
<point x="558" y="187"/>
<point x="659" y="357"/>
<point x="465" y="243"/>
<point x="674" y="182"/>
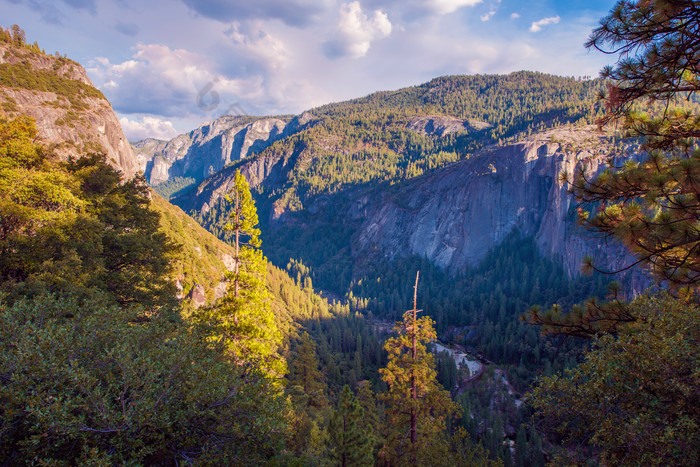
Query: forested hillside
<point x="419" y="277"/>
<point x="315" y="189"/>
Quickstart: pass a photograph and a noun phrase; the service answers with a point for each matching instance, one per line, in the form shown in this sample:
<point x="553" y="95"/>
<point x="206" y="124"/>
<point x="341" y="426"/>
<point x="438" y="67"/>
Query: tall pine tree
<point x="417" y="405"/>
<point x="243" y="319"/>
<point x="305" y="374"/>
<point x="351" y="438"/>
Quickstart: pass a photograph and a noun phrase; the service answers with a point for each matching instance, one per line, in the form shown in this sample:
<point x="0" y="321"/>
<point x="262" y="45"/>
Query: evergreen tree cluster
<point x="97" y="365"/>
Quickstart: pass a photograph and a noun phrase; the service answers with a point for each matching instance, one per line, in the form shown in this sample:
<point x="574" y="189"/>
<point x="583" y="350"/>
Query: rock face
<point x="271" y="171"/>
<point x="82" y="124"/>
<point x="455" y="215"/>
<point x="209" y="148"/>
<point x="442" y="125"/>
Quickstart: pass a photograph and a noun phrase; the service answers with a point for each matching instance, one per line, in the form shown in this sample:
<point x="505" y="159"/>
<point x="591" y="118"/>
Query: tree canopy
<point x="243" y="319"/>
<point x="634" y="399"/>
<point x="96" y="365"/>
<point x="652" y="206"/>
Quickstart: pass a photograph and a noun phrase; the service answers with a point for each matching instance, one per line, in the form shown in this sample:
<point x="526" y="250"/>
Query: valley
<point x="482" y="270"/>
<point x="354" y="197"/>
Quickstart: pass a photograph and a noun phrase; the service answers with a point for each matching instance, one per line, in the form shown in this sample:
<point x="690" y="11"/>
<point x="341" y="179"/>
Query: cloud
<point x="514" y="15"/>
<point x="444" y="7"/>
<point x="170" y="83"/>
<point x="255" y="49"/>
<point x="356" y="31"/>
<point x="417" y="10"/>
<point x="47" y="11"/>
<point x="492" y="11"/>
<point x="148" y="127"/>
<point x="298" y="13"/>
<point x="536" y="26"/>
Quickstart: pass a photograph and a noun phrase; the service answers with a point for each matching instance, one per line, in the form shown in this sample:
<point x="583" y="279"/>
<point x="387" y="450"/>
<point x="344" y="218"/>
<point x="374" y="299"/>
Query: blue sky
<point x="169" y="65"/>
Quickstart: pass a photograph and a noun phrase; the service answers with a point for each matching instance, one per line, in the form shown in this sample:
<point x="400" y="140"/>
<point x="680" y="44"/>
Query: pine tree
<point x="305" y="374"/>
<point x="651" y="206"/>
<point x="373" y="417"/>
<point x="521" y="448"/>
<point x="243" y="319"/>
<point x="417" y="406"/>
<point x="634" y="399"/>
<point x="351" y="438"/>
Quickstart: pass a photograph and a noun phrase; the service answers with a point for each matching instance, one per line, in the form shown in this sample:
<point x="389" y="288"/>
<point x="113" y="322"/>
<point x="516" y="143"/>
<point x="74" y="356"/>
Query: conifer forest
<point x="481" y="270"/>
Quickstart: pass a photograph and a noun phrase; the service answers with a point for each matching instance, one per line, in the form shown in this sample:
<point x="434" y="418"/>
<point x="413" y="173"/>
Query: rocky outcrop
<point x="198" y="296"/>
<point x="209" y="148"/>
<point x="74" y="121"/>
<point x="269" y="170"/>
<point x="442" y="125"/>
<point x="455" y="215"/>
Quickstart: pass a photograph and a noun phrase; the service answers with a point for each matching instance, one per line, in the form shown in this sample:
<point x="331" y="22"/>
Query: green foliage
<point x="23" y="75"/>
<point x="96" y="365"/>
<point x="348" y="348"/>
<point x="635" y="397"/>
<point x="243" y="320"/>
<point x="72" y="227"/>
<point x="651" y="206"/>
<point x="415" y="401"/>
<point x="173" y="186"/>
<point x="465" y="452"/>
<point x="200" y="260"/>
<point x="305" y="374"/>
<point x="16" y="37"/>
<point x="308" y="392"/>
<point x="653" y="40"/>
<point x="88" y="382"/>
<point x="478" y="308"/>
<point x="351" y="439"/>
<point x="368" y="141"/>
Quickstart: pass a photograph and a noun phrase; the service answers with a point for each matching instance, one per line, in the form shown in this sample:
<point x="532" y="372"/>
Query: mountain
<point x="444" y="171"/>
<point x="193" y="156"/>
<point x="71" y="114"/>
<point x="452" y="216"/>
<point x="203" y="260"/>
<point x="73" y="117"/>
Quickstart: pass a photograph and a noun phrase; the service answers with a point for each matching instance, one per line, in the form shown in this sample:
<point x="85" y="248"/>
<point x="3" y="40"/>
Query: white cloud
<point x="444" y="7"/>
<point x="160" y="81"/>
<point x="492" y="11"/>
<point x="148" y="127"/>
<point x="256" y="45"/>
<point x="536" y="26"/>
<point x="417" y="11"/>
<point x="514" y="15"/>
<point x="356" y="31"/>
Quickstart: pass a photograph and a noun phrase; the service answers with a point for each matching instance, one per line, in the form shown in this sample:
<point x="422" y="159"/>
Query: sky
<point x="167" y="66"/>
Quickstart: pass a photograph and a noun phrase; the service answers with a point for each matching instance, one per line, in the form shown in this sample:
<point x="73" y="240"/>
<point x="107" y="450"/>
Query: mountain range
<point x="444" y="171"/>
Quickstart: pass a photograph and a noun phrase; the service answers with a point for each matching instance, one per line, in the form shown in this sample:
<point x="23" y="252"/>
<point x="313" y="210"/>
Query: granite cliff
<point x="453" y="215"/>
<point x="209" y="148"/>
<point x="71" y="114"/>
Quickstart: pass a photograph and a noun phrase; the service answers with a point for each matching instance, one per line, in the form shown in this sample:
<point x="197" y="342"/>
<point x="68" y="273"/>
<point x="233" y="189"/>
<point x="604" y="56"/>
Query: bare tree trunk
<point x="414" y="389"/>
